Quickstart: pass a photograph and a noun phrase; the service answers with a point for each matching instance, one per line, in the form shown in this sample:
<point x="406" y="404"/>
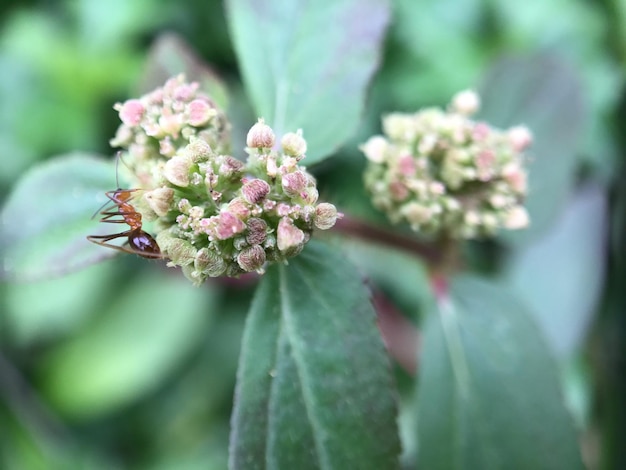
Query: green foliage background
<point x="125" y="365"/>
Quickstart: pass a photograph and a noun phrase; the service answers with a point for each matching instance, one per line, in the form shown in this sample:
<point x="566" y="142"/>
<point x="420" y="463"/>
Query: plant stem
<point x="431" y="253"/>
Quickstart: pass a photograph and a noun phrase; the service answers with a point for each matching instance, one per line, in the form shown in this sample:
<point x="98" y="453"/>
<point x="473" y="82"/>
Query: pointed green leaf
<point x="307" y="64"/>
<point x="48" y="215"/>
<point x="314" y="388"/>
<point x="489" y="395"/>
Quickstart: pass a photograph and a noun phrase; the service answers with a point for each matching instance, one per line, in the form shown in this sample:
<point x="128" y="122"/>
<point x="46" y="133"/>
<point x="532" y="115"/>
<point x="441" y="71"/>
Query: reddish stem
<point x="431" y="253"/>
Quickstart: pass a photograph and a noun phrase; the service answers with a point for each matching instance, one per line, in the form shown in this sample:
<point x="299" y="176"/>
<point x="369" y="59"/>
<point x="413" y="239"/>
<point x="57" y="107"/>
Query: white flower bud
<point x="294" y="144"/>
<point x="375" y="148"/>
<point x="325" y="216"/>
<point x="517" y="218"/>
<point x="177" y="169"/>
<point x="466" y="102"/>
<point x="520" y="137"/>
<point x="159" y="200"/>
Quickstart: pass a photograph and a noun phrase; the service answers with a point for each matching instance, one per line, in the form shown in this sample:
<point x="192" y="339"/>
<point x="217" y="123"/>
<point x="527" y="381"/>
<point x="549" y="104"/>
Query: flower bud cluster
<point x="216" y="215"/>
<point x="447" y="175"/>
<point x="156" y="126"/>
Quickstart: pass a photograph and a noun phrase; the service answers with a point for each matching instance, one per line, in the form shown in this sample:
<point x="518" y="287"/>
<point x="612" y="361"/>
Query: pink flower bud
<point x="406" y="165"/>
<point x="200" y="112"/>
<point x="228" y="225"/>
<point x="239" y="208"/>
<point x="131" y="112"/>
<point x="260" y="136"/>
<point x="289" y="238"/>
<point x="252" y="258"/>
<point x="254" y="191"/>
<point x="231" y="166"/>
<point x="294" y="183"/>
<point x="257" y="231"/>
<point x="481" y="131"/>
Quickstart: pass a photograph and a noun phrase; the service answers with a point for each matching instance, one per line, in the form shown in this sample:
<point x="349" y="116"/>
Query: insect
<point x="119" y="210"/>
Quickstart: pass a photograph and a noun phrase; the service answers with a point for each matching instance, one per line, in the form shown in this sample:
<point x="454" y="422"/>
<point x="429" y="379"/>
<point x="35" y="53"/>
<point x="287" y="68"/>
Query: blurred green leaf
<point x="489" y="394"/>
<point x="31" y="316"/>
<point x="307" y="64"/>
<point x="314" y="385"/>
<point x="544" y="94"/>
<point x="48" y="215"/>
<point x="407" y="283"/>
<point x="170" y="56"/>
<point x="141" y="339"/>
<point x="560" y="275"/>
<point x="435" y="49"/>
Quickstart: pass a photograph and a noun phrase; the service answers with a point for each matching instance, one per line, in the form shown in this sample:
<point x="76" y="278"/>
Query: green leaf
<point x="307" y="64"/>
<point x="543" y="93"/>
<point x="572" y="252"/>
<point x="314" y="388"/>
<point x="132" y="348"/>
<point x="169" y="56"/>
<point x="48" y="215"/>
<point x="489" y="394"/>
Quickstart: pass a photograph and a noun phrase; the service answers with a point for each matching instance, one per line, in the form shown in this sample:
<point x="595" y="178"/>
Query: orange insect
<point x="120" y="211"/>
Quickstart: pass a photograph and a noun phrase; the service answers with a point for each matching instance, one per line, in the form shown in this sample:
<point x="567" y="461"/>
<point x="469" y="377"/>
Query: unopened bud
<point x="466" y="102"/>
<point x="294" y="183"/>
<point x="254" y="191"/>
<point x="177" y="169"/>
<point x="375" y="148"/>
<point x="198" y="150"/>
<point x="520" y="137"/>
<point x="416" y="213"/>
<point x="131" y="112"/>
<point x="231" y="166"/>
<point x="209" y="262"/>
<point x="294" y="144"/>
<point x="260" y="136"/>
<point x="181" y="252"/>
<point x="159" y="200"/>
<point x="325" y="215"/>
<point x="289" y="238"/>
<point x="200" y="112"/>
<point x="517" y="218"/>
<point x="252" y="258"/>
<point x="239" y="208"/>
<point x="257" y="231"/>
<point x="310" y="195"/>
<point x="228" y="225"/>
